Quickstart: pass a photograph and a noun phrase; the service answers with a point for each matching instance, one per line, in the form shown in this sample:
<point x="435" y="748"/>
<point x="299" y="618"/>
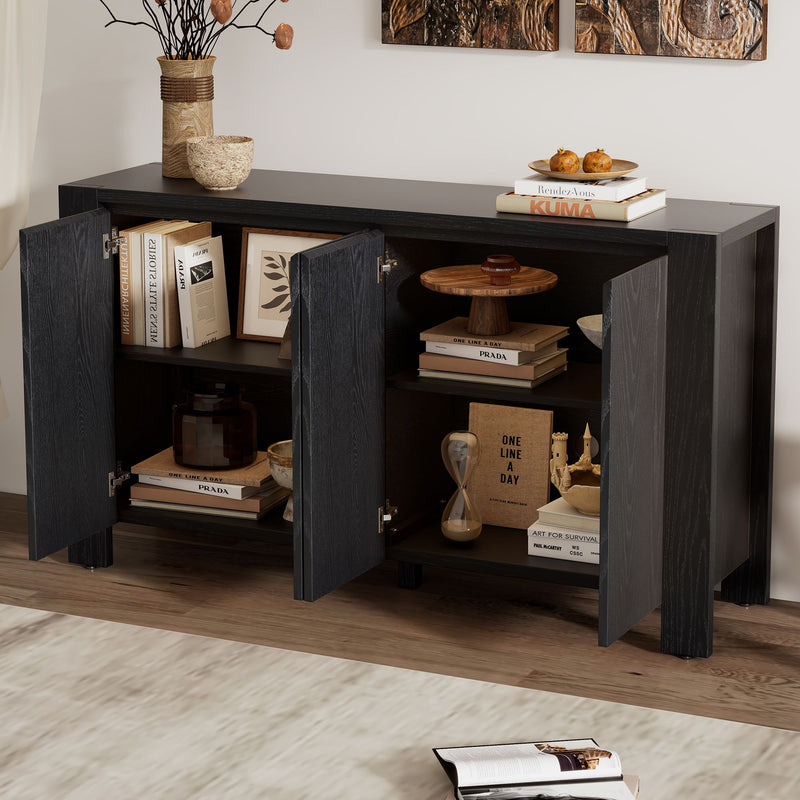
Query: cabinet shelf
<point x="497" y="551"/>
<point x="578" y="387"/>
<point x="238" y="355"/>
<point x="270" y="528"/>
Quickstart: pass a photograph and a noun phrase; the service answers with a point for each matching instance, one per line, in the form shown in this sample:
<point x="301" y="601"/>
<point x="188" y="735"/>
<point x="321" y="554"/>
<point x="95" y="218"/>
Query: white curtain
<point x="23" y="26"/>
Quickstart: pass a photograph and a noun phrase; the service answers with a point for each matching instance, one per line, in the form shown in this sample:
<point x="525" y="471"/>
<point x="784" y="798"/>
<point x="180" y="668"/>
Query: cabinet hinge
<point x="386" y="514"/>
<point x="111" y="243"/>
<point x="117" y="478"/>
<point x="385" y="265"/>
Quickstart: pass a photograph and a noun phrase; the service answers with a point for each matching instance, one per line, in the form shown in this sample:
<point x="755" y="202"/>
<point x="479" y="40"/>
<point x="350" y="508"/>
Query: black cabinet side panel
<point x="750" y="582"/>
<point x="634" y="333"/>
<point x="688" y="586"/>
<point x="734" y="406"/>
<point x="338" y="369"/>
<point x="68" y="338"/>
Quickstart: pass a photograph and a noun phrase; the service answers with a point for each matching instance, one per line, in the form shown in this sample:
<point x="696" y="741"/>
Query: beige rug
<point x="93" y="709"/>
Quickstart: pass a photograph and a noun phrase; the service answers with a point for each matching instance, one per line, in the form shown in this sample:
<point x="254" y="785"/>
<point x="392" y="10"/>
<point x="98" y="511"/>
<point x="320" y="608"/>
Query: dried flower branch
<point x="191" y="28"/>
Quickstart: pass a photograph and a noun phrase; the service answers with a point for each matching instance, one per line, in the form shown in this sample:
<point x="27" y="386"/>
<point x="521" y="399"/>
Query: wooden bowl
<point x="619" y="167"/>
<point x="219" y="163"/>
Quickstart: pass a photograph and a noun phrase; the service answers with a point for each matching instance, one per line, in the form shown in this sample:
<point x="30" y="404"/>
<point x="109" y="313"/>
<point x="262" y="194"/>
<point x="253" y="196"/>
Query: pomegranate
<point x="565" y="161"/>
<point x="597" y="161"/>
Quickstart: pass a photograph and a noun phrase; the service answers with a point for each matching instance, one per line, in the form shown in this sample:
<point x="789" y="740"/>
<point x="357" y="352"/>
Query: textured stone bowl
<point x="220" y="162"/>
<point x="592" y="328"/>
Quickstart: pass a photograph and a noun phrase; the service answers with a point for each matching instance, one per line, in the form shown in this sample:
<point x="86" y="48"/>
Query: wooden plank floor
<point x="505" y="631"/>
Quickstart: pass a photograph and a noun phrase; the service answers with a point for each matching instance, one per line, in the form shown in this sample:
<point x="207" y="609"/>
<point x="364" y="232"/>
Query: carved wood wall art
<point x="508" y="24"/>
<point x="733" y="29"/>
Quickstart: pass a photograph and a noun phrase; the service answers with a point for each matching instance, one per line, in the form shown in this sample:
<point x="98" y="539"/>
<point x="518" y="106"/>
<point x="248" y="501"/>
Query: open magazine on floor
<point x="566" y="768"/>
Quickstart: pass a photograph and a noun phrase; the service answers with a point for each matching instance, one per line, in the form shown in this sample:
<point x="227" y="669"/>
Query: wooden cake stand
<point x="489" y="284"/>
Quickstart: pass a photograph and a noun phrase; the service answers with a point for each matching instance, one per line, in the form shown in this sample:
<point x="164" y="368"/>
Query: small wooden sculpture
<point x="579" y="483"/>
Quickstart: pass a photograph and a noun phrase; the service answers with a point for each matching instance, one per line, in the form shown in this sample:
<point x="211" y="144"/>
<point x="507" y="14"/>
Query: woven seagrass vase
<point x="187" y="92"/>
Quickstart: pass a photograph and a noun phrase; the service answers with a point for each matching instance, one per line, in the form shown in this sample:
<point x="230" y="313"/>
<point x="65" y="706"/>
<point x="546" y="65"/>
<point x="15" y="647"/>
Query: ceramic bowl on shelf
<point x="220" y="163"/>
<point x="592" y="328"/>
<point x="279" y="457"/>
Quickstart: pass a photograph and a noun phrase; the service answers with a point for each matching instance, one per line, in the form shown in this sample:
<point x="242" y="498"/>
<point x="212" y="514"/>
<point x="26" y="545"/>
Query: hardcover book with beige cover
<point x="512" y="479"/>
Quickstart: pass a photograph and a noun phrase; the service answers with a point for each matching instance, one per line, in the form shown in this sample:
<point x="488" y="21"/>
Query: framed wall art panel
<point x="732" y="29"/>
<point x="499" y="24"/>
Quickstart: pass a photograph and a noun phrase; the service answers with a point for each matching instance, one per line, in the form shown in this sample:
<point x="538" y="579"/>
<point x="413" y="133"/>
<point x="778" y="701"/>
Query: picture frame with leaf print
<point x="264" y="283"/>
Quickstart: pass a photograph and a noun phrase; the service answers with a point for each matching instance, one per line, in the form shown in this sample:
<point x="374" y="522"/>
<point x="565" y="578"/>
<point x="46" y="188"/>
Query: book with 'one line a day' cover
<point x="512" y="477"/>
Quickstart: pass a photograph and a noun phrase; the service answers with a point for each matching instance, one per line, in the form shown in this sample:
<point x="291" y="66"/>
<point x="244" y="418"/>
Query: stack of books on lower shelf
<point x="622" y="199"/>
<point x="247" y="493"/>
<point x="525" y="357"/>
<point x="563" y="532"/>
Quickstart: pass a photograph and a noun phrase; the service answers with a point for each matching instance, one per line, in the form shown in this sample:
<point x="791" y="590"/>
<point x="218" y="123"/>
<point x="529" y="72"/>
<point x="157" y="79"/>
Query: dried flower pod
<point x="283" y="36"/>
<point x="160" y="2"/>
<point x="221" y="10"/>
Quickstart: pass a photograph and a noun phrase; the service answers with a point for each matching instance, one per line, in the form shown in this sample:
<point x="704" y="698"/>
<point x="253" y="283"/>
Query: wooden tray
<point x="618" y="169"/>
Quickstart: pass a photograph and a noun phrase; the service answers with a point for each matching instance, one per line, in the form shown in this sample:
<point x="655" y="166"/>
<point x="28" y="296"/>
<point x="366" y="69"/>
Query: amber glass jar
<point x="214" y="428"/>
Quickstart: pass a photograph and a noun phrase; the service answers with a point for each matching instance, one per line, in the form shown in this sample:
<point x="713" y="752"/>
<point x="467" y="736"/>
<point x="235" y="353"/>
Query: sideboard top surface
<point x="400" y="203"/>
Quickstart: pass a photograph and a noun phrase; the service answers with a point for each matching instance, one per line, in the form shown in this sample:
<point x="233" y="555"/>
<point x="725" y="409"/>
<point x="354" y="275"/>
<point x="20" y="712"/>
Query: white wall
<point x="341" y="102"/>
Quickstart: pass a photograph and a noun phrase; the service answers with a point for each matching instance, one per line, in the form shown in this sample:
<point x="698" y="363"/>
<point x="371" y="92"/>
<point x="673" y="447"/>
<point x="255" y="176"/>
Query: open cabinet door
<point x="632" y="447"/>
<point x="68" y="352"/>
<point x="338" y="387"/>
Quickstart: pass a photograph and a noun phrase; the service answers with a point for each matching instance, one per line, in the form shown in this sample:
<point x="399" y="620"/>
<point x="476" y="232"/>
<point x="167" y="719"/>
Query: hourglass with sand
<point x="461" y="452"/>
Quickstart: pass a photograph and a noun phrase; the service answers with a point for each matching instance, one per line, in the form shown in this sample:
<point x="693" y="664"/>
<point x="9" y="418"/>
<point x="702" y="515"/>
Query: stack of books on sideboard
<point x="172" y="285"/>
<point x="247" y="493"/>
<point x="622" y="199"/>
<point x="525" y="357"/>
<point x="563" y="532"/>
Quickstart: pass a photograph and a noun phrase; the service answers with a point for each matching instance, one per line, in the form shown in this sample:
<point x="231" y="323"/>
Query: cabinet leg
<point x="687" y="625"/>
<point x="93" y="551"/>
<point x="409" y="576"/>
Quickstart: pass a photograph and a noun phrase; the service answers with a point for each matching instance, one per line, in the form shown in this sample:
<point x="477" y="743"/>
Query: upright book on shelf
<point x="163" y="316"/>
<point x="566" y="768"/>
<point x="202" y="294"/>
<point x="512" y="477"/>
<point x="131" y="283"/>
<point x="620" y="211"/>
